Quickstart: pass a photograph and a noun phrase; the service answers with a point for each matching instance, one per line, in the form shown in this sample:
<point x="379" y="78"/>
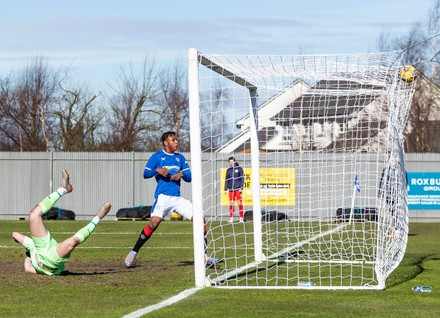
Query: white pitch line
<point x="167" y="302"/>
<point x="111" y="233"/>
<point x="115" y="247"/>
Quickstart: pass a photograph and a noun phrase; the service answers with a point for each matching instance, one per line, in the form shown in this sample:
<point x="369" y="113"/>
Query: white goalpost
<point x="319" y="138"/>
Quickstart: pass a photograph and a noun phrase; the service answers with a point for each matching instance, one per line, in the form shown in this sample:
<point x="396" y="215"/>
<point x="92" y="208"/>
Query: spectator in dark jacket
<point x="234" y="182"/>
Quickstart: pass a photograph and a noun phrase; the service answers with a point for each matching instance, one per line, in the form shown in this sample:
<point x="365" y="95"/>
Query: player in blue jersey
<point x="169" y="168"/>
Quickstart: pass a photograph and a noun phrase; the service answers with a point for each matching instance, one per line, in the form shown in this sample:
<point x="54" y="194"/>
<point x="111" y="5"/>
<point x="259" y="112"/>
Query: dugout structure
<point x="314" y="134"/>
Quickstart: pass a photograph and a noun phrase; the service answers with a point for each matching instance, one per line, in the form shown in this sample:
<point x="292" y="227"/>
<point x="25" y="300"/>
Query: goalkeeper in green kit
<point x="44" y="255"/>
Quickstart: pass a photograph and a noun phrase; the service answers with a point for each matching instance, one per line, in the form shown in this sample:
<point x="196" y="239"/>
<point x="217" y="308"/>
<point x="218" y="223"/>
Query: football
<point x="408" y="73"/>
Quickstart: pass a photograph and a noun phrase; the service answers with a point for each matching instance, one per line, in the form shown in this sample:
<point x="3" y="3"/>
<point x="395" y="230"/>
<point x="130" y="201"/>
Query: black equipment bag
<point x="359" y="214"/>
<point x="59" y="214"/>
<point x="134" y="212"/>
<point x="266" y="216"/>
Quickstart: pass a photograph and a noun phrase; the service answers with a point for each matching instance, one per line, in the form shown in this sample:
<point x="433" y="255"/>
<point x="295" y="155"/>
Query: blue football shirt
<point x="176" y="163"/>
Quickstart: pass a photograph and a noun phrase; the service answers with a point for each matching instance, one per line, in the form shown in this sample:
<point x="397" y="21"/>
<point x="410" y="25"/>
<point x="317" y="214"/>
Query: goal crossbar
<point x="226" y="73"/>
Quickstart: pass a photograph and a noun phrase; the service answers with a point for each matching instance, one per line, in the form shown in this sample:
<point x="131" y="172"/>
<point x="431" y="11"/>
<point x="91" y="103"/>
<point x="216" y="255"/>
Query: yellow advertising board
<point x="277" y="187"/>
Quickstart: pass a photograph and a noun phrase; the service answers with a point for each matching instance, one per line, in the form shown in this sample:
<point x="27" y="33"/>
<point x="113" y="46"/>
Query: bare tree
<point x="424" y="116"/>
<point x="384" y="42"/>
<point x="174" y="105"/>
<point x="433" y="27"/>
<point x="419" y="47"/>
<point x="418" y="130"/>
<point x="77" y="118"/>
<point x="25" y="104"/>
<point x="133" y="119"/>
<point x="172" y="102"/>
<point x="414" y="45"/>
<point x="215" y="128"/>
<point x="9" y="130"/>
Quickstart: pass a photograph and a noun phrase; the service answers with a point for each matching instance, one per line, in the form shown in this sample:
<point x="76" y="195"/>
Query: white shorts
<point x="165" y="205"/>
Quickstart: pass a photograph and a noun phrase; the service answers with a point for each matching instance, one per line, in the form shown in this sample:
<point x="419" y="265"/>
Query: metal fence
<point x="26" y="178"/>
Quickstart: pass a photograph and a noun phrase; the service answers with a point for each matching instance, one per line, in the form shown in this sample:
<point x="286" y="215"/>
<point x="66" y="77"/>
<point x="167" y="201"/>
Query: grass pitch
<point x="97" y="284"/>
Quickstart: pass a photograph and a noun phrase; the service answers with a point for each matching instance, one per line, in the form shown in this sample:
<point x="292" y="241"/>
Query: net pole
<point x="355" y="188"/>
<point x="196" y="167"/>
<point x="255" y="164"/>
<point x="352" y="205"/>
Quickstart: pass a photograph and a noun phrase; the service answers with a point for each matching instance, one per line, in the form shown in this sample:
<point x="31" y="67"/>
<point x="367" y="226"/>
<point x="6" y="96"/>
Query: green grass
<point x="97" y="284"/>
<point x="235" y="245"/>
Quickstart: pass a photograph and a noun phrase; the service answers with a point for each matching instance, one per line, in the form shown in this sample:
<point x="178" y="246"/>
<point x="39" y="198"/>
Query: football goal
<point x="319" y="139"/>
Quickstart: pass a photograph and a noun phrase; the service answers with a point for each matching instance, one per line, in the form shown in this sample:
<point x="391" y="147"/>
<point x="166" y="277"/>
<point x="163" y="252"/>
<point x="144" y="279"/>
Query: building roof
<point x="327" y="100"/>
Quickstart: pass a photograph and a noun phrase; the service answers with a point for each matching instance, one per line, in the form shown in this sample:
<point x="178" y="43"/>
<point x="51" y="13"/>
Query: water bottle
<point x="422" y="289"/>
<point x="306" y="284"/>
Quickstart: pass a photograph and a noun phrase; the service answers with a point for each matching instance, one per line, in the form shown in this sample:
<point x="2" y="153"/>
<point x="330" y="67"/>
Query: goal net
<point x="319" y="139"/>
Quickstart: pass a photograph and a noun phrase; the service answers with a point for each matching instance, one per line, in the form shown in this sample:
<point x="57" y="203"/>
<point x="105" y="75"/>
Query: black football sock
<point x="143" y="238"/>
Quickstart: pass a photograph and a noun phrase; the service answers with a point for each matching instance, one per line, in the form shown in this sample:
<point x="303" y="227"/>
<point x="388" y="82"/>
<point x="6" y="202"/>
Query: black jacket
<point x="234" y="178"/>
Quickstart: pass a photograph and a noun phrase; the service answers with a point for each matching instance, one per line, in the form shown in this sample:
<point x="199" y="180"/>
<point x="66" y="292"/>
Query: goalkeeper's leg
<point x="36" y="225"/>
<point x="66" y="247"/>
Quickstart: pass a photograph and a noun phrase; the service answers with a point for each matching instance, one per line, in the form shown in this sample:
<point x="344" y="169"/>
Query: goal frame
<point x="194" y="60"/>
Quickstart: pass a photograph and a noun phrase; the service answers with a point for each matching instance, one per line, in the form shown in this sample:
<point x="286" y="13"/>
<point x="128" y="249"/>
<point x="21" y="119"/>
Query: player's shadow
<point x="191" y="263"/>
<point x="186" y="263"/>
<point x="281" y="259"/>
<point x="110" y="271"/>
<point x="244" y="274"/>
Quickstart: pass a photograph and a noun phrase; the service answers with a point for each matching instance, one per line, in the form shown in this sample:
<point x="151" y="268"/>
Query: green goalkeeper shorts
<point x="44" y="256"/>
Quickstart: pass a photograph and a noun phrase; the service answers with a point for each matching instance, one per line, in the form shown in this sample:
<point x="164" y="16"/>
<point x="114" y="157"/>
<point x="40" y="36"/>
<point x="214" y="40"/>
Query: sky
<point x="95" y="38"/>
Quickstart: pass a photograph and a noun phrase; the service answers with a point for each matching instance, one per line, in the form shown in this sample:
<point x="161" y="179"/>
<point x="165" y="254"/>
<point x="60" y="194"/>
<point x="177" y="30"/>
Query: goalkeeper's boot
<point x="129" y="259"/>
<point x="104" y="210"/>
<point x="65" y="183"/>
